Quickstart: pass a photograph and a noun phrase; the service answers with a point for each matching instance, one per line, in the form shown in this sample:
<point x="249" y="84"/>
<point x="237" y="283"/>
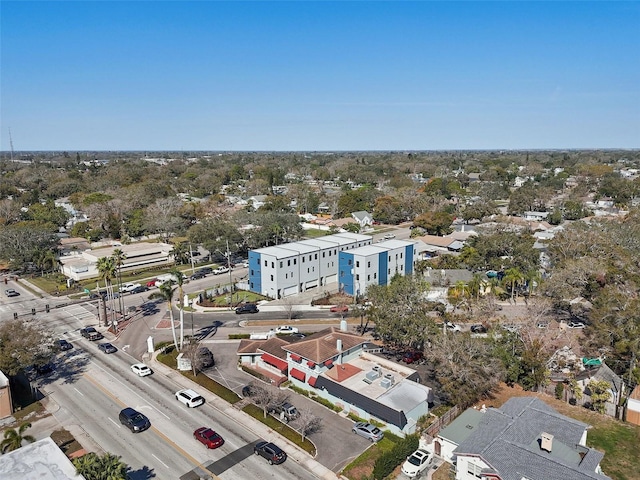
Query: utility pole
<point x="230" y="278"/>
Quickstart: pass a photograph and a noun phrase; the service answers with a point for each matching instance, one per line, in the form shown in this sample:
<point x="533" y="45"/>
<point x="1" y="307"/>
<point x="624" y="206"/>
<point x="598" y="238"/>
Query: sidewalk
<point x="241" y="418"/>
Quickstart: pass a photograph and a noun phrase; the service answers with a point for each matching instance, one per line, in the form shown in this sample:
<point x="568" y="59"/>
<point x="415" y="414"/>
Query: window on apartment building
<point x="324" y="254"/>
<point x="358" y="277"/>
<point x="375" y="275"/>
<point x="335" y="252"/>
<point x="401" y="267"/>
<point x="272" y="278"/>
<point x="329" y="252"/>
<point x="281" y="262"/>
<point x="332" y="264"/>
<point x="368" y="278"/>
<point x="389" y="272"/>
<point x="291" y="274"/>
<point x="396" y="257"/>
<point x="308" y="270"/>
<point x="368" y="264"/>
<point x="341" y="273"/>
<point x="252" y="272"/>
<point x="295" y="261"/>
<point x="313" y="269"/>
<point x="286" y="275"/>
<point x="251" y="284"/>
<point x="265" y="263"/>
<point x="302" y="259"/>
<point x="289" y="263"/>
<point x="357" y="263"/>
<point x="349" y="262"/>
<point x="273" y="265"/>
<point x="475" y="470"/>
<point x="400" y="255"/>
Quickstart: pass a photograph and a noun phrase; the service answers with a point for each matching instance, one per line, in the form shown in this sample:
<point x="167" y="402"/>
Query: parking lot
<point x="335" y="442"/>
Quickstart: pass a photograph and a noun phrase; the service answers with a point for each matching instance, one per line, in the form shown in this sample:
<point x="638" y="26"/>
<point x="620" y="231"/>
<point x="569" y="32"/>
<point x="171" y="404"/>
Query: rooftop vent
<point x="372" y="375"/>
<point x="546" y="441"/>
<point x="386" y="382"/>
<point x="389" y="377"/>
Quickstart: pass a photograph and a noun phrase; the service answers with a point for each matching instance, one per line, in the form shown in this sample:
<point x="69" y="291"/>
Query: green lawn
<point x="621" y="444"/>
<point x="277" y="426"/>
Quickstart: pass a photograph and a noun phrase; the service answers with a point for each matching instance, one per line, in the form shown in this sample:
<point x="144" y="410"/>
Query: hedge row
<point x="388" y="461"/>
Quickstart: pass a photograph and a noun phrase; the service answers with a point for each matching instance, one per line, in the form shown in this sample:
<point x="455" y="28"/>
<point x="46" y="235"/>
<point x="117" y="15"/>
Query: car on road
<point x="189" y="397"/>
<point x="205" y="270"/>
<point x="128" y="287"/>
<point x="286" y="330"/>
<point x="10" y="292"/>
<point x="107" y="348"/>
<point x="576" y="325"/>
<point x="220" y="270"/>
<point x="152" y="283"/>
<point x="141" y="369"/>
<point x="511" y="327"/>
<point x="417" y="463"/>
<point x="197" y="276"/>
<point x="389" y="236"/>
<point x="247" y="308"/>
<point x="134" y="420"/>
<point x="208" y="437"/>
<point x="140" y="289"/>
<point x="412" y="357"/>
<point x="339" y="309"/>
<point x="63" y="345"/>
<point x="452" y="326"/>
<point x="479" y="328"/>
<point x="274" y="454"/>
<point x="95" y="336"/>
<point x="368" y="431"/>
<point x="85" y="332"/>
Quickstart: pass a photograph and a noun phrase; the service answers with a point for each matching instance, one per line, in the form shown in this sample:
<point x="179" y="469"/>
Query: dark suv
<point x="271" y="452"/>
<point x="134" y="420"/>
<point x="247" y="308"/>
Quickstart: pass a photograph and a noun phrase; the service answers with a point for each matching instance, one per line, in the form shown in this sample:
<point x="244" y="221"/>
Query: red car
<point x="208" y="437"/>
<point x="152" y="283"/>
<point x="339" y="309"/>
<point x="411" y="357"/>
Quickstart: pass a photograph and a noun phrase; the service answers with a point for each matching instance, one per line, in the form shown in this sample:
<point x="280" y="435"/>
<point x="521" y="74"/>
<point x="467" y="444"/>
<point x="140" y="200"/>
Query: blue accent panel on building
<point x="255" y="272"/>
<point x="345" y="272"/>
<point x="408" y="262"/>
<point x="383" y="263"/>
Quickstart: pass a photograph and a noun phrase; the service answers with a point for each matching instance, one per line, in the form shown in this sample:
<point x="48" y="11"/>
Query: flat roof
<point x="367" y="250"/>
<point x="41" y="459"/>
<point x="276" y="251"/>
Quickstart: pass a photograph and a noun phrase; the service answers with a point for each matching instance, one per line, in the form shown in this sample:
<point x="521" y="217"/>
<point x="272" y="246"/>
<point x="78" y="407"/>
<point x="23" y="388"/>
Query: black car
<point x="478" y="329"/>
<point x="247" y="308"/>
<point x="139" y="289"/>
<point x="197" y="275"/>
<point x="87" y="331"/>
<point x="134" y="420"/>
<point x="271" y="452"/>
<point x="205" y="270"/>
<point x="63" y="345"/>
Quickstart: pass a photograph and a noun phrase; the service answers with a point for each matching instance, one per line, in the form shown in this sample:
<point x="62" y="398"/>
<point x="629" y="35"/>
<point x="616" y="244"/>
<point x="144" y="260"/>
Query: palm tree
<point x="106" y="267"/>
<point x="165" y="292"/>
<point x="181" y="253"/>
<point x="475" y="286"/>
<point x="513" y="277"/>
<point x="118" y="260"/>
<point x="13" y="438"/>
<point x="106" y="467"/>
<point x="177" y="275"/>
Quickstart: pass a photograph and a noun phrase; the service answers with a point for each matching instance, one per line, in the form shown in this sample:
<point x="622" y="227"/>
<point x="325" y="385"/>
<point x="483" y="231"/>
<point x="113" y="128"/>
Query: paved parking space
<point x="335" y="442"/>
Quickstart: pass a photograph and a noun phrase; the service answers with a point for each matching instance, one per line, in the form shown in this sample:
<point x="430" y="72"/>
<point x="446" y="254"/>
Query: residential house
<point x="435" y="244"/>
<point x="6" y="404"/>
<point x="535" y="216"/>
<point x="365" y="219"/>
<point x="523" y="439"/>
<point x="336" y="365"/>
<point x="601" y="372"/>
<point x="633" y="406"/>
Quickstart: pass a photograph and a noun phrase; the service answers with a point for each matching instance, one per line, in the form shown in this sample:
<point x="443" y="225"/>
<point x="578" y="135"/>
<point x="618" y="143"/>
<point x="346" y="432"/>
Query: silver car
<point x="368" y="431"/>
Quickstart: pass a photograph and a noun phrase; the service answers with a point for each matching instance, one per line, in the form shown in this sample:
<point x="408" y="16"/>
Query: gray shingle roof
<point x="508" y="440"/>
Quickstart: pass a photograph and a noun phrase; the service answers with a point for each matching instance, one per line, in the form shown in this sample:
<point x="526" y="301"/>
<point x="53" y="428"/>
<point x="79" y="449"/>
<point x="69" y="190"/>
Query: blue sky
<point x="209" y="75"/>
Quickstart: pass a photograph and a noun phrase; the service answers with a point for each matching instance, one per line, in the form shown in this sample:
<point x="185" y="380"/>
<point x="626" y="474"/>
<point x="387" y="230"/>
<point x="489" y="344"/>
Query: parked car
<point x="247" y="308"/>
<point x="141" y="369"/>
<point x="286" y="412"/>
<point x="368" y="431"/>
<point x="189" y="397"/>
<point x="10" y="292"/>
<point x="389" y="236"/>
<point x="286" y="330"/>
<point x="478" y="328"/>
<point x="95" y="336"/>
<point x="339" y="309"/>
<point x="542" y="324"/>
<point x="128" y="287"/>
<point x="107" y="348"/>
<point x="134" y="420"/>
<point x="274" y="454"/>
<point x="220" y="270"/>
<point x="63" y="345"/>
<point x="205" y="270"/>
<point x="152" y="283"/>
<point x="85" y="332"/>
<point x="576" y="325"/>
<point x="452" y="326"/>
<point x="511" y="327"/>
<point x="197" y="276"/>
<point x="417" y="463"/>
<point x="208" y="437"/>
<point x="412" y="357"/>
<point x="204" y="357"/>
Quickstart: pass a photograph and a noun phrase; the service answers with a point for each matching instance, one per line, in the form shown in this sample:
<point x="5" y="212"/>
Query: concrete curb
<point x="241" y="418"/>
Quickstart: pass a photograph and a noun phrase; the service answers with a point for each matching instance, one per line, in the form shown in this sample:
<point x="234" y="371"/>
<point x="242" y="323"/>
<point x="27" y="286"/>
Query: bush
<point x="559" y="390"/>
<point x="238" y="336"/>
<point x="388" y="461"/>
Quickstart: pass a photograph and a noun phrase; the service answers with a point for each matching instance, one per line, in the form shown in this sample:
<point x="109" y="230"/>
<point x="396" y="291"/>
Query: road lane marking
<point x="165" y="465"/>
<point x="158" y="432"/>
<point x="114" y="422"/>
<point x="79" y="392"/>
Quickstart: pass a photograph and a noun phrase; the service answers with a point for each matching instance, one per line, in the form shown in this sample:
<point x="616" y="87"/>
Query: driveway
<point x="335" y="442"/>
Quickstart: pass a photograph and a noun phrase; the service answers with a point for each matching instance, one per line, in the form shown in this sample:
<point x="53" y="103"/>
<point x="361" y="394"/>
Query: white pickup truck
<point x="128" y="287"/>
<point x="220" y="270"/>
